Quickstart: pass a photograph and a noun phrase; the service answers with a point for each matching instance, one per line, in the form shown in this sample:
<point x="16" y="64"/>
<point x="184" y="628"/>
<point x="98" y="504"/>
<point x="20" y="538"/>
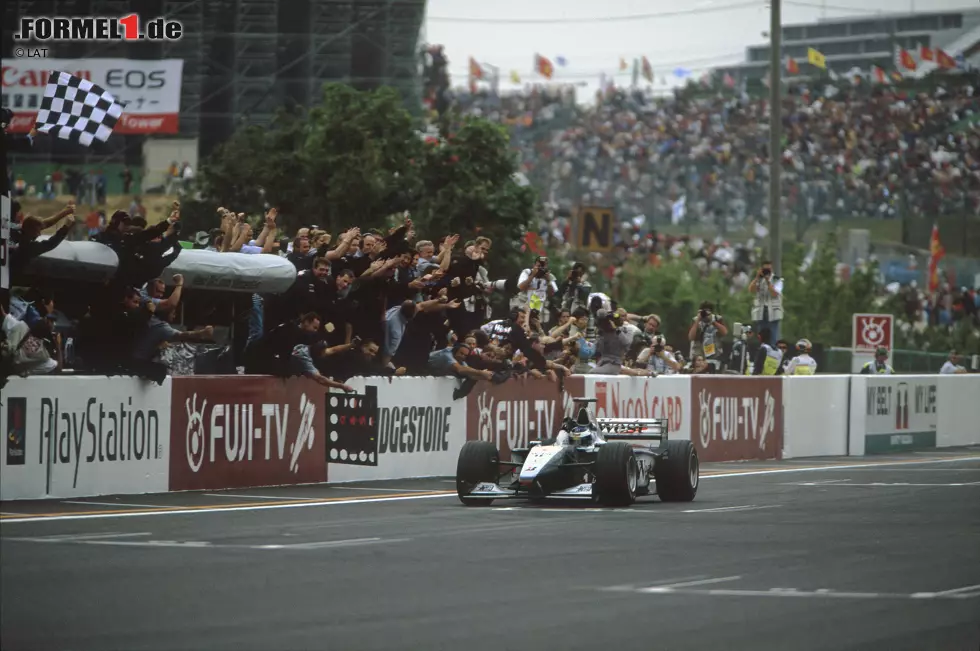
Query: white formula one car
<point x="595" y="459"/>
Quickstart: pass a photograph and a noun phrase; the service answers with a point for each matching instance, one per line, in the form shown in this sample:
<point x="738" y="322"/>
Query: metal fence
<point x="838" y="360"/>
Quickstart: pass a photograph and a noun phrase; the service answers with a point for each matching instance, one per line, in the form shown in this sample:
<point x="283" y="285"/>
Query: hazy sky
<point x="716" y="36"/>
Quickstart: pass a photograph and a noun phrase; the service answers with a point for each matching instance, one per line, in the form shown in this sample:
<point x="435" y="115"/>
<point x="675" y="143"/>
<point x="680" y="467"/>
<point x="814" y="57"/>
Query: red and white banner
<point x="150" y="89"/>
<point x="246" y="430"/>
<point x="872" y="330"/>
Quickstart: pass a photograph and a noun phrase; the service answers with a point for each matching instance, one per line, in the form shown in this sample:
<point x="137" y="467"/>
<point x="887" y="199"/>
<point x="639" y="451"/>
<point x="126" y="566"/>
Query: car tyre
<point x="478" y="462"/>
<point x="679" y="473"/>
<point x="617" y="474"/>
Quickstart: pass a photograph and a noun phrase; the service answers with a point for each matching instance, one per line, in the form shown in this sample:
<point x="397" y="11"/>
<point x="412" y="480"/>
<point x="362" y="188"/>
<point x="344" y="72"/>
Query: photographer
<point x="706" y="332"/>
<point x="574" y="291"/>
<point x="612" y="345"/>
<point x="657" y="358"/>
<point x="767" y="304"/>
<point x="536" y="286"/>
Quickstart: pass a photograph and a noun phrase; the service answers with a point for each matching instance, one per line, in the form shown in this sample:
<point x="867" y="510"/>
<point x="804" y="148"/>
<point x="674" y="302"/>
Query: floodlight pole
<point x="775" y="136"/>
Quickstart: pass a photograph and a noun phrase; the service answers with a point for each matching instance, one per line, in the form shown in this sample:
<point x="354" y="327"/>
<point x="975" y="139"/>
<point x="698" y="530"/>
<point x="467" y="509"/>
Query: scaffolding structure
<point x="245" y="59"/>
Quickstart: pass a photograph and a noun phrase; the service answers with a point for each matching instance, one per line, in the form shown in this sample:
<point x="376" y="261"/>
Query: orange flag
<point x="905" y="58"/>
<point x="925" y="53"/>
<point x="944" y="60"/>
<point x="647" y="70"/>
<point x="543" y="66"/>
<point x="476" y="70"/>
<point x="791" y="67"/>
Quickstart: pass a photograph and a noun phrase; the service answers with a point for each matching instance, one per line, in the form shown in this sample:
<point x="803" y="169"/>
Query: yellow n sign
<point x="595" y="229"/>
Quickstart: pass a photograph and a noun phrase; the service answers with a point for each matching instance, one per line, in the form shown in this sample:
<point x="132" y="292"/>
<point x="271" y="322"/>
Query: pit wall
<point x="71" y="436"/>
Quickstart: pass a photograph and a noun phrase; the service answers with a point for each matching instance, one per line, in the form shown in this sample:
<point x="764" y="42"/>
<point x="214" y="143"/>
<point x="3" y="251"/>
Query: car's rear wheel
<point x="478" y="462"/>
<point x="616" y="474"/>
<point x="679" y="474"/>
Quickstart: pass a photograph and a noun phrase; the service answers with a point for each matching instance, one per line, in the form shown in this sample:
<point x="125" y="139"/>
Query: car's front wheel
<point x="478" y="462"/>
<point x="679" y="474"/>
<point x="616" y="474"/>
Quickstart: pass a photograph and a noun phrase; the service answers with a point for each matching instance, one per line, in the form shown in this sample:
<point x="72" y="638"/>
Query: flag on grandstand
<point x="904" y="59"/>
<point x="833" y="75"/>
<point x="647" y="70"/>
<point x="562" y="61"/>
<point x="476" y="70"/>
<point x="543" y="66"/>
<point x="728" y="80"/>
<point x="943" y="60"/>
<point x="623" y="66"/>
<point x="816" y="58"/>
<point x="926" y="53"/>
<point x="897" y="76"/>
<point x="514" y="77"/>
<point x="936" y="253"/>
<point x="879" y="75"/>
<point x="532" y="243"/>
<point x="791" y="66"/>
<point x="77" y="110"/>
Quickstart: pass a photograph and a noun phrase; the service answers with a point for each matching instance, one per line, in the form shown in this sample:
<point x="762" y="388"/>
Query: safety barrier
<point x="83" y="436"/>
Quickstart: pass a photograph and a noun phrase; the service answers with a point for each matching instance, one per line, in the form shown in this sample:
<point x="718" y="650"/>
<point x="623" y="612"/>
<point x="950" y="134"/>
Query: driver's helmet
<point x="582" y="435"/>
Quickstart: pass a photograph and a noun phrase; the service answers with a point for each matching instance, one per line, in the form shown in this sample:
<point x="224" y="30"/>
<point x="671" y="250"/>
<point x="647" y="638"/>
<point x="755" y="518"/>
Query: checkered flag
<point x="77" y="110"/>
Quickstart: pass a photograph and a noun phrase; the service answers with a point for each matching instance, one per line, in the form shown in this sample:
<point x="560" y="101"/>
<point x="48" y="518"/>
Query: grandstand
<point x="243" y="59"/>
<point x="867" y="41"/>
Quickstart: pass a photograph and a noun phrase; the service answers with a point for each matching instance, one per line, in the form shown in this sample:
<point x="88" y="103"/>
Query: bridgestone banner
<point x="737" y="417"/>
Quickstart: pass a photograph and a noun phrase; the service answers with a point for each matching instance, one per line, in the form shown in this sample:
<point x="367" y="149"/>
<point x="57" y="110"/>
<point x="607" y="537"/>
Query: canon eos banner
<point x="518" y="411"/>
<point x="737" y="417"/>
<point x="150" y="90"/>
<point x="667" y="397"/>
<point x="71" y="437"/>
<point x="900" y="414"/>
<point x="239" y="431"/>
<point x="420" y="429"/>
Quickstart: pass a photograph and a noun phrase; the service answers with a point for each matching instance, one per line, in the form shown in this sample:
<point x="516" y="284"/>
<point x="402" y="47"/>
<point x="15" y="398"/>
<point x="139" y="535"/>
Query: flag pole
<point x="775" y="136"/>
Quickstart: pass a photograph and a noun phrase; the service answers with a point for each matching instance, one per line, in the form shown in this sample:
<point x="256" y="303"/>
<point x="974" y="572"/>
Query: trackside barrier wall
<point x="80" y="436"/>
<point x="70" y="436"/>
<point x="815" y="421"/>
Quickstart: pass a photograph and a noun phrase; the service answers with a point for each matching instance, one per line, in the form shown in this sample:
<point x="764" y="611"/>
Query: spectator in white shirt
<point x="535" y="287"/>
<point x="952" y="365"/>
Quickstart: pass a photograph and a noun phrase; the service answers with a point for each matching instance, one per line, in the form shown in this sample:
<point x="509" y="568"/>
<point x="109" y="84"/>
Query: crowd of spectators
<point x="848" y="152"/>
<point x="363" y="303"/>
<point x="373" y="302"/>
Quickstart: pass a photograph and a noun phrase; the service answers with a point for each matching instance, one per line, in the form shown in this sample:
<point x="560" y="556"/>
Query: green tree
<point x="674" y="291"/>
<point x="817" y="305"/>
<point x="357" y="158"/>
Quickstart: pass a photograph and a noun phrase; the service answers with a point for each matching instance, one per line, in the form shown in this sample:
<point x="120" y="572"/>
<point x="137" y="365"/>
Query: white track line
<point x="687" y="584"/>
<point x="260" y="497"/>
<point x="77" y="538"/>
<point x="720" y="509"/>
<point x="137" y="506"/>
<point x="969" y="588"/>
<point x="218" y="509"/>
<point x="382" y="490"/>
<point x="754" y="473"/>
<point x="780" y="471"/>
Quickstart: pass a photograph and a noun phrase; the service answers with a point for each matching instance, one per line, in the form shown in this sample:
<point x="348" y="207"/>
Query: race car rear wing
<point x="625" y="429"/>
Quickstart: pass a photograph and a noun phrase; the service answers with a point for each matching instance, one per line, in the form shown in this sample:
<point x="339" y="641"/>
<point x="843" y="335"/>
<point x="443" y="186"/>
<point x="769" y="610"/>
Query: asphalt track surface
<point x="847" y="554"/>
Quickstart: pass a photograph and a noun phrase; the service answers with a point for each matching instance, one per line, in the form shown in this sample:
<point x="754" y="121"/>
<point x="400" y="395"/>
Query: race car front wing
<point x="489" y="490"/>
